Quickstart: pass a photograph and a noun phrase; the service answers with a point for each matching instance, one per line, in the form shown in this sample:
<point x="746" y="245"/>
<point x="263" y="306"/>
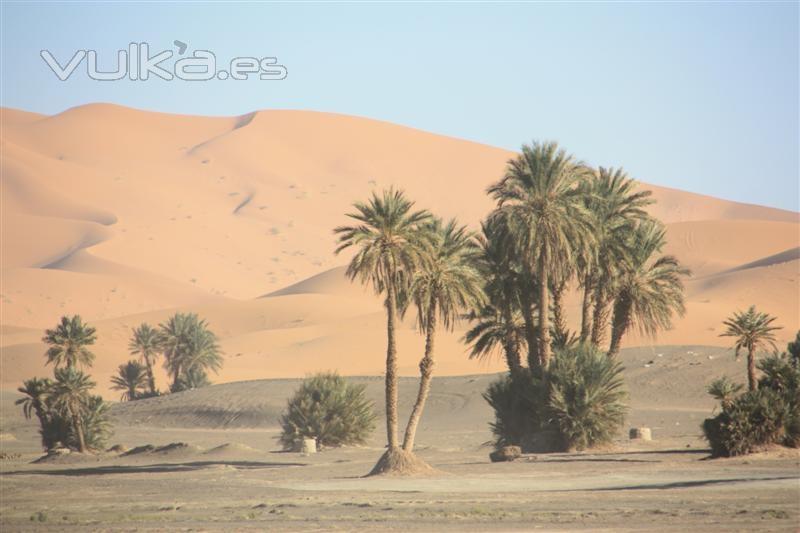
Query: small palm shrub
<point x="329" y="409"/>
<point x="768" y="415"/>
<point x="724" y="390"/>
<point x="781" y="374"/>
<point x="57" y="430"/>
<point x="586" y="401"/>
<point x="193" y="378"/>
<point x="517" y="400"/>
<point x="755" y="418"/>
<point x="577" y="403"/>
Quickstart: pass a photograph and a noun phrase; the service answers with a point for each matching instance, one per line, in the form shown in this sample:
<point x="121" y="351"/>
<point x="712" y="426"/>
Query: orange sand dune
<point x="125" y="216"/>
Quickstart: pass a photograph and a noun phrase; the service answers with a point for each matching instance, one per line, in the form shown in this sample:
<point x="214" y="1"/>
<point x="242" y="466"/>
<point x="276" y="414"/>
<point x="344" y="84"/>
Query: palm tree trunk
<point x="391" y="367"/>
<point x="600" y="318"/>
<point x="510" y="345"/>
<point x="425" y="374"/>
<point x="530" y="330"/>
<point x="751" y="370"/>
<point x="619" y="324"/>
<point x="544" y="315"/>
<point x="559" y="321"/>
<point x="586" y="309"/>
<point x="151" y="380"/>
<point x="76" y="423"/>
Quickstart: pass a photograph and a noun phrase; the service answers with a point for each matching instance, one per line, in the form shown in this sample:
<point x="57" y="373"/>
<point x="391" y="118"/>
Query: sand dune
<point x="125" y="216"/>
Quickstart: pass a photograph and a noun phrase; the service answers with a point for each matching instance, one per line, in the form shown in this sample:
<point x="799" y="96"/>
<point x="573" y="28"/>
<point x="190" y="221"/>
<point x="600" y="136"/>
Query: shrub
<point x="329" y="409"/>
<point x="754" y="419"/>
<point x="576" y="404"/>
<point x="586" y="400"/>
<point x="724" y="390"/>
<point x="517" y="401"/>
<point x="58" y="431"/>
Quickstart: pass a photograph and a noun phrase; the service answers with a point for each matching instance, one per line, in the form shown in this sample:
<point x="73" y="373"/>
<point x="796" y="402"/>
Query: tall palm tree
<point x="752" y="330"/>
<point x="616" y="205"/>
<point x="545" y="218"/>
<point x="188" y="344"/>
<point x="445" y="285"/>
<point x="145" y="342"/>
<point x="68" y="342"/>
<point x="389" y="238"/>
<point x="131" y="378"/>
<point x="70" y="397"/>
<point x="503" y="321"/>
<point x="650" y="287"/>
<point x="34" y="401"/>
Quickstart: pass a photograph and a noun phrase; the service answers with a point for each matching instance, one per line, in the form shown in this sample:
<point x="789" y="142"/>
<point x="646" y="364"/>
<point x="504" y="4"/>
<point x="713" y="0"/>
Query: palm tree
<point x="188" y="344"/>
<point x="492" y="329"/>
<point x="34" y="401"/>
<point x="447" y="283"/>
<point x="131" y="378"/>
<point x="70" y="397"/>
<point x="752" y="330"/>
<point x="616" y="206"/>
<point x="145" y="342"/>
<point x="650" y="288"/>
<point x="389" y="239"/>
<point x="545" y="218"/>
<point x="68" y="342"/>
<point x="504" y="320"/>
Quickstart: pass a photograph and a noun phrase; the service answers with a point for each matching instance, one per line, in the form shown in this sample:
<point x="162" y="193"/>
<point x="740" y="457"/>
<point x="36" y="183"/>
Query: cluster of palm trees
<point x="557" y="224"/>
<point x="189" y="349"/>
<point x="69" y="414"/>
<point x="560" y="224"/>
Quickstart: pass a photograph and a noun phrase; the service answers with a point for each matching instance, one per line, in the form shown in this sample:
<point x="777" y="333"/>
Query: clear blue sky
<point x="698" y="96"/>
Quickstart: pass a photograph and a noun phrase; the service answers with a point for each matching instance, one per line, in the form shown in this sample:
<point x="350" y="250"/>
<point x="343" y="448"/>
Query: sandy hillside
<point x="124" y="216"/>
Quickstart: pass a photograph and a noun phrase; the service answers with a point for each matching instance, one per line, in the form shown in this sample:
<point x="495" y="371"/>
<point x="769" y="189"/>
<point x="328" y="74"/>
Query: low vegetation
<point x="578" y="402"/>
<point x="766" y="415"/>
<point x="69" y="414"/>
<point x="330" y="410"/>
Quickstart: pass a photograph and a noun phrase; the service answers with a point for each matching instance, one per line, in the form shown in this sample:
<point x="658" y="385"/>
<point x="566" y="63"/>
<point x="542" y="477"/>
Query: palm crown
<point x="68" y="342"/>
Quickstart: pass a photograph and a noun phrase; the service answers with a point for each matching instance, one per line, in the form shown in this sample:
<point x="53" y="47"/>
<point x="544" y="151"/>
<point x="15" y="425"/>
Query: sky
<point x="697" y="96"/>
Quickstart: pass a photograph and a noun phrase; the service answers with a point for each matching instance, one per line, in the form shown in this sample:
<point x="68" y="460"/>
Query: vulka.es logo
<point x="138" y="63"/>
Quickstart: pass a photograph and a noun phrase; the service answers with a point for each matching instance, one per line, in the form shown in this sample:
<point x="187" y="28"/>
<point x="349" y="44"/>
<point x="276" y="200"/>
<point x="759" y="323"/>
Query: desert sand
<point x="230" y="474"/>
<point x="125" y="216"/>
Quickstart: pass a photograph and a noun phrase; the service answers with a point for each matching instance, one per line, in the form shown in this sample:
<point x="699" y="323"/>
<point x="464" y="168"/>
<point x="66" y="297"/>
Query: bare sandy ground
<point x="233" y="476"/>
<point x="125" y="216"/>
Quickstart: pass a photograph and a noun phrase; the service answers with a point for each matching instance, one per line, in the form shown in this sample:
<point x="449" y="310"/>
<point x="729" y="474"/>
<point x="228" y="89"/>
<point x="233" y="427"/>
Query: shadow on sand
<point x="152" y="468"/>
<point x="687" y="484"/>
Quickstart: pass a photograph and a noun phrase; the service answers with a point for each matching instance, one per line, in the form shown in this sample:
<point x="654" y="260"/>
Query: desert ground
<point x="229" y="473"/>
<point x="126" y="216"/>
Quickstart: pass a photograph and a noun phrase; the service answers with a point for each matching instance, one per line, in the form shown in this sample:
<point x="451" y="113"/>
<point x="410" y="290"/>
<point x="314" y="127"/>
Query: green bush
<point x="58" y="431"/>
<point x="586" y="401"/>
<point x="577" y="403"/>
<point x="329" y="409"/>
<point x="754" y="419"/>
<point x="767" y="415"/>
<point x="518" y="402"/>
